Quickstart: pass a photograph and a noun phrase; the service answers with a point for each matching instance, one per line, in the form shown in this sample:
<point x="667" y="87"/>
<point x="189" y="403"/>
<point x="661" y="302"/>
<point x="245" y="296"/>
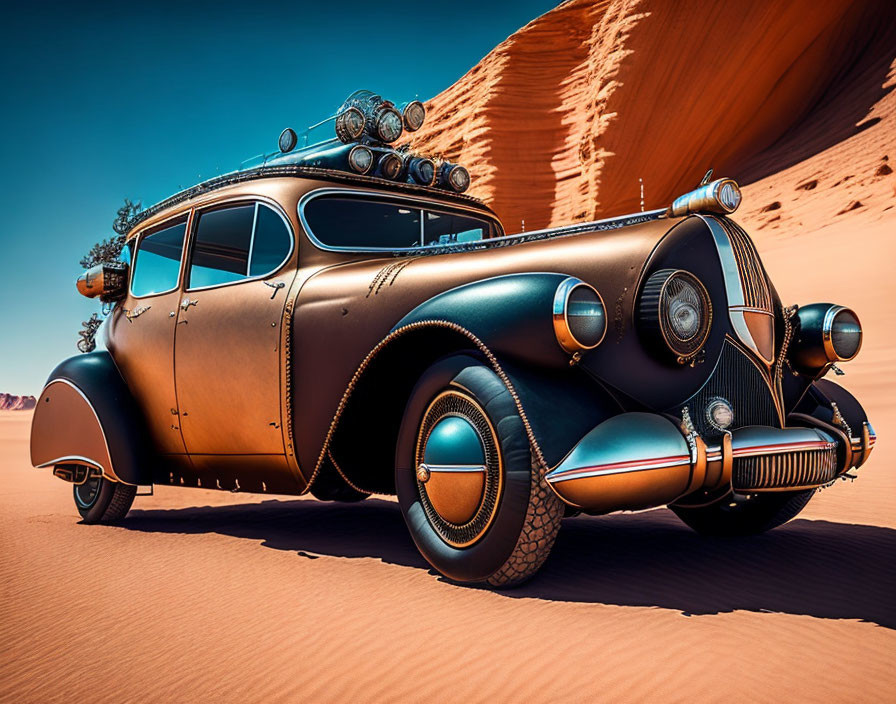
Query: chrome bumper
<point x="641" y="460"/>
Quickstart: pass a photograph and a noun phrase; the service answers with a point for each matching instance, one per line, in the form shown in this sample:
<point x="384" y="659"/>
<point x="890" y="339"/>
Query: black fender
<point x="103" y="403"/>
<point x="512" y="315"/>
<point x="560" y="405"/>
<point x="830" y="406"/>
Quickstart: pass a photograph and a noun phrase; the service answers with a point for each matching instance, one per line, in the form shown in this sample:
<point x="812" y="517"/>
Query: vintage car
<point x="340" y="319"/>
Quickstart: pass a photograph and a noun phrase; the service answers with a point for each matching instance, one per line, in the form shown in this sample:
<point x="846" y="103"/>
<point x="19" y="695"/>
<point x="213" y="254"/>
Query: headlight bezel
<point x="563" y="331"/>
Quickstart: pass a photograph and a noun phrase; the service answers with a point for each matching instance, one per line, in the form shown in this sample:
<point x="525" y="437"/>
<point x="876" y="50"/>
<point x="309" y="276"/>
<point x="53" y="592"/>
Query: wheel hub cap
<point x="459" y="473"/>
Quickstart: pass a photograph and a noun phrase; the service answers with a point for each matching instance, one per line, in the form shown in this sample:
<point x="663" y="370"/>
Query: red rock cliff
<point x="558" y="123"/>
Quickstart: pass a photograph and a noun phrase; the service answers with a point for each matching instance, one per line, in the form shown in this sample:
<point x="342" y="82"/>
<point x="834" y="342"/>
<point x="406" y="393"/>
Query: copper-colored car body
<point x="302" y="378"/>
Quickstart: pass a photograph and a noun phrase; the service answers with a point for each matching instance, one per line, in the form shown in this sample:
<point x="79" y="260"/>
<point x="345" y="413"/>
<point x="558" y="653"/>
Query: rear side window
<point x="353" y="222"/>
<point x="235" y="243"/>
<point x="356" y="222"/>
<point x="157" y="260"/>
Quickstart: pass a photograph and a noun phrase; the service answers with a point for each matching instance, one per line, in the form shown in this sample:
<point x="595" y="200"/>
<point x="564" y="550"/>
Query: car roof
<point x="388" y="187"/>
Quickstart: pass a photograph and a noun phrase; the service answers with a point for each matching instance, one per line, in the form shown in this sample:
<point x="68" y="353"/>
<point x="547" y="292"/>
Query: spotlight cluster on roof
<point x="366" y="127"/>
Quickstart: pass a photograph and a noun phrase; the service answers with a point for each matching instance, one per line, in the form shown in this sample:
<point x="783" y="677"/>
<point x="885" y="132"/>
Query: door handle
<point x="276" y="285"/>
<point x="186" y="303"/>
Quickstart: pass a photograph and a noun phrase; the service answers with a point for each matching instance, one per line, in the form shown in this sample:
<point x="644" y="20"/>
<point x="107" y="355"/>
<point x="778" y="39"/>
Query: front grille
<point x="807" y="468"/>
<point x="754" y="282"/>
<point x="738" y="381"/>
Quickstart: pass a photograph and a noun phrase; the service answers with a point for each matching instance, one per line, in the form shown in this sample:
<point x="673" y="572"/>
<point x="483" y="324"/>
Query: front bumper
<point x="641" y="460"/>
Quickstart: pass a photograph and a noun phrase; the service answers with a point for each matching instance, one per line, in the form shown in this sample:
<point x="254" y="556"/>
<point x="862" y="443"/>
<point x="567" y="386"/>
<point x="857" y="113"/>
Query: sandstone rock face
<point x="560" y="121"/>
<point x="8" y="402"/>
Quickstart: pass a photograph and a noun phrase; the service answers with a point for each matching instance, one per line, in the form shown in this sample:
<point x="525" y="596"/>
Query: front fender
<point x="512" y="315"/>
<point x="86" y="415"/>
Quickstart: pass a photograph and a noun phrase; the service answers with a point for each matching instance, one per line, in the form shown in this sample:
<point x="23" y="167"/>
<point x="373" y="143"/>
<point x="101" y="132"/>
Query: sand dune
<point x="211" y="596"/>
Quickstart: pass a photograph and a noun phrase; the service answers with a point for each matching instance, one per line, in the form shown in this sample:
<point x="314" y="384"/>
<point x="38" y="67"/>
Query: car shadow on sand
<point x="808" y="567"/>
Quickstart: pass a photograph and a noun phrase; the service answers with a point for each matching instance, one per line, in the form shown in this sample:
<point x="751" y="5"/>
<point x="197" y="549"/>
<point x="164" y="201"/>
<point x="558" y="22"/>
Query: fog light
<point x="413" y="114"/>
<point x="391" y="166"/>
<point x="719" y="414"/>
<point x="360" y="158"/>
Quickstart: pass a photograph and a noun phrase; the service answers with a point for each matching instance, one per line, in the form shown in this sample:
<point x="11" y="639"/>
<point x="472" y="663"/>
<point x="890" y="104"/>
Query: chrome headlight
<point x="580" y="319"/>
<point x="827" y="333"/>
<point x="675" y="313"/>
<point x="413" y="114"/>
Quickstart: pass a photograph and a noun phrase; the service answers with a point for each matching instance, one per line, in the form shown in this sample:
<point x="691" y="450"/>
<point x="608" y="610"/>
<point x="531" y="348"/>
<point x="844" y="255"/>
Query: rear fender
<point x="86" y="416"/>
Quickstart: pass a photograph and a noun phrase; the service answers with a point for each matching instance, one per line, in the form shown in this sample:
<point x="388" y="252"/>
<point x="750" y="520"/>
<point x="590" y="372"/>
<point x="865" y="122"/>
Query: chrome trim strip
<point x="733" y="286"/>
<point x="618" y="468"/>
<point x="454" y="467"/>
<point x="78" y="458"/>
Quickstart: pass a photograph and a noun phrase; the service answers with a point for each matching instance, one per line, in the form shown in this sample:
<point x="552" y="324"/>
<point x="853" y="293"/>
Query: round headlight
<point x="391" y="165"/>
<point x="413" y="115"/>
<point x="360" y="158"/>
<point x="388" y="126"/>
<point x="422" y="170"/>
<point x="675" y="311"/>
<point x="580" y="319"/>
<point x="350" y="125"/>
<point x="842" y="334"/>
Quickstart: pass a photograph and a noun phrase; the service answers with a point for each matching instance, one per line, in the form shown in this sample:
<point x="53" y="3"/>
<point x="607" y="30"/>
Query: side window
<point x="157" y="260"/>
<point x="448" y="228"/>
<point x="271" y="243"/>
<point x="354" y="222"/>
<point x="237" y="242"/>
<point x="221" y="246"/>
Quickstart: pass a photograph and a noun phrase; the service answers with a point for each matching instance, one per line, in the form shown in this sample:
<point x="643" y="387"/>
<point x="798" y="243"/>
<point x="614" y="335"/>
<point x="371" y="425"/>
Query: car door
<point x="227" y="342"/>
<point x="140" y="333"/>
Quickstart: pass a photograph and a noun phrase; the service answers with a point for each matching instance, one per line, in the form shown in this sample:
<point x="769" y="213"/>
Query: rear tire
<point x="504" y="538"/>
<point x="751" y="516"/>
<point x="99" y="500"/>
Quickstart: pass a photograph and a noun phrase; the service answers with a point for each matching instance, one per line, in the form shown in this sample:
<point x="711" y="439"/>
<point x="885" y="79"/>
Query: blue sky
<point x="101" y="102"/>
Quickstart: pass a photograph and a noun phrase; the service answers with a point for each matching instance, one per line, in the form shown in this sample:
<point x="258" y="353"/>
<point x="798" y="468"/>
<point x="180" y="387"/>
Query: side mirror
<point x="108" y="281"/>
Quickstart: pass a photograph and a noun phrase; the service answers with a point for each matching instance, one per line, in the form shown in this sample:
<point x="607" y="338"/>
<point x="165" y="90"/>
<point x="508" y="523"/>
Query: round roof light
<point x="288" y="140"/>
<point x="350" y="125"/>
<point x="422" y="170"/>
<point x="413" y="114"/>
<point x="360" y="159"/>
<point x="391" y="166"/>
<point x="388" y="125"/>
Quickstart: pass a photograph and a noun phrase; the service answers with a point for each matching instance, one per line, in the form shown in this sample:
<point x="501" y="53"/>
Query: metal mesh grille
<point x="787" y="470"/>
<point x="755" y="284"/>
<point x="739" y="381"/>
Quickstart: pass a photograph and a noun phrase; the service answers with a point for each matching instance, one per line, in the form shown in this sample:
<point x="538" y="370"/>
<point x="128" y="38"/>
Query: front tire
<point x="99" y="500"/>
<point x="480" y="510"/>
<point x="748" y="516"/>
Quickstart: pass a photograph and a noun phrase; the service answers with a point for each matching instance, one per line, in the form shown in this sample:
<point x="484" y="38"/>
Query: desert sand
<point x="210" y="596"/>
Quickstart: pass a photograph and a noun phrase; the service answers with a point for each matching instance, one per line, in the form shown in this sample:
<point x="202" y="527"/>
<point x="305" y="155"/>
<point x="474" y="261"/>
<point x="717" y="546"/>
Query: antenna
<point x="641" y="181"/>
<point x="706" y="177"/>
<point x="523" y="224"/>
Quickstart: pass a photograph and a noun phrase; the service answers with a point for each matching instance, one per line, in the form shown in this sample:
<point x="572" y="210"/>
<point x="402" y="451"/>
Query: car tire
<point x="752" y="516"/>
<point x="515" y="523"/>
<point x="99" y="500"/>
